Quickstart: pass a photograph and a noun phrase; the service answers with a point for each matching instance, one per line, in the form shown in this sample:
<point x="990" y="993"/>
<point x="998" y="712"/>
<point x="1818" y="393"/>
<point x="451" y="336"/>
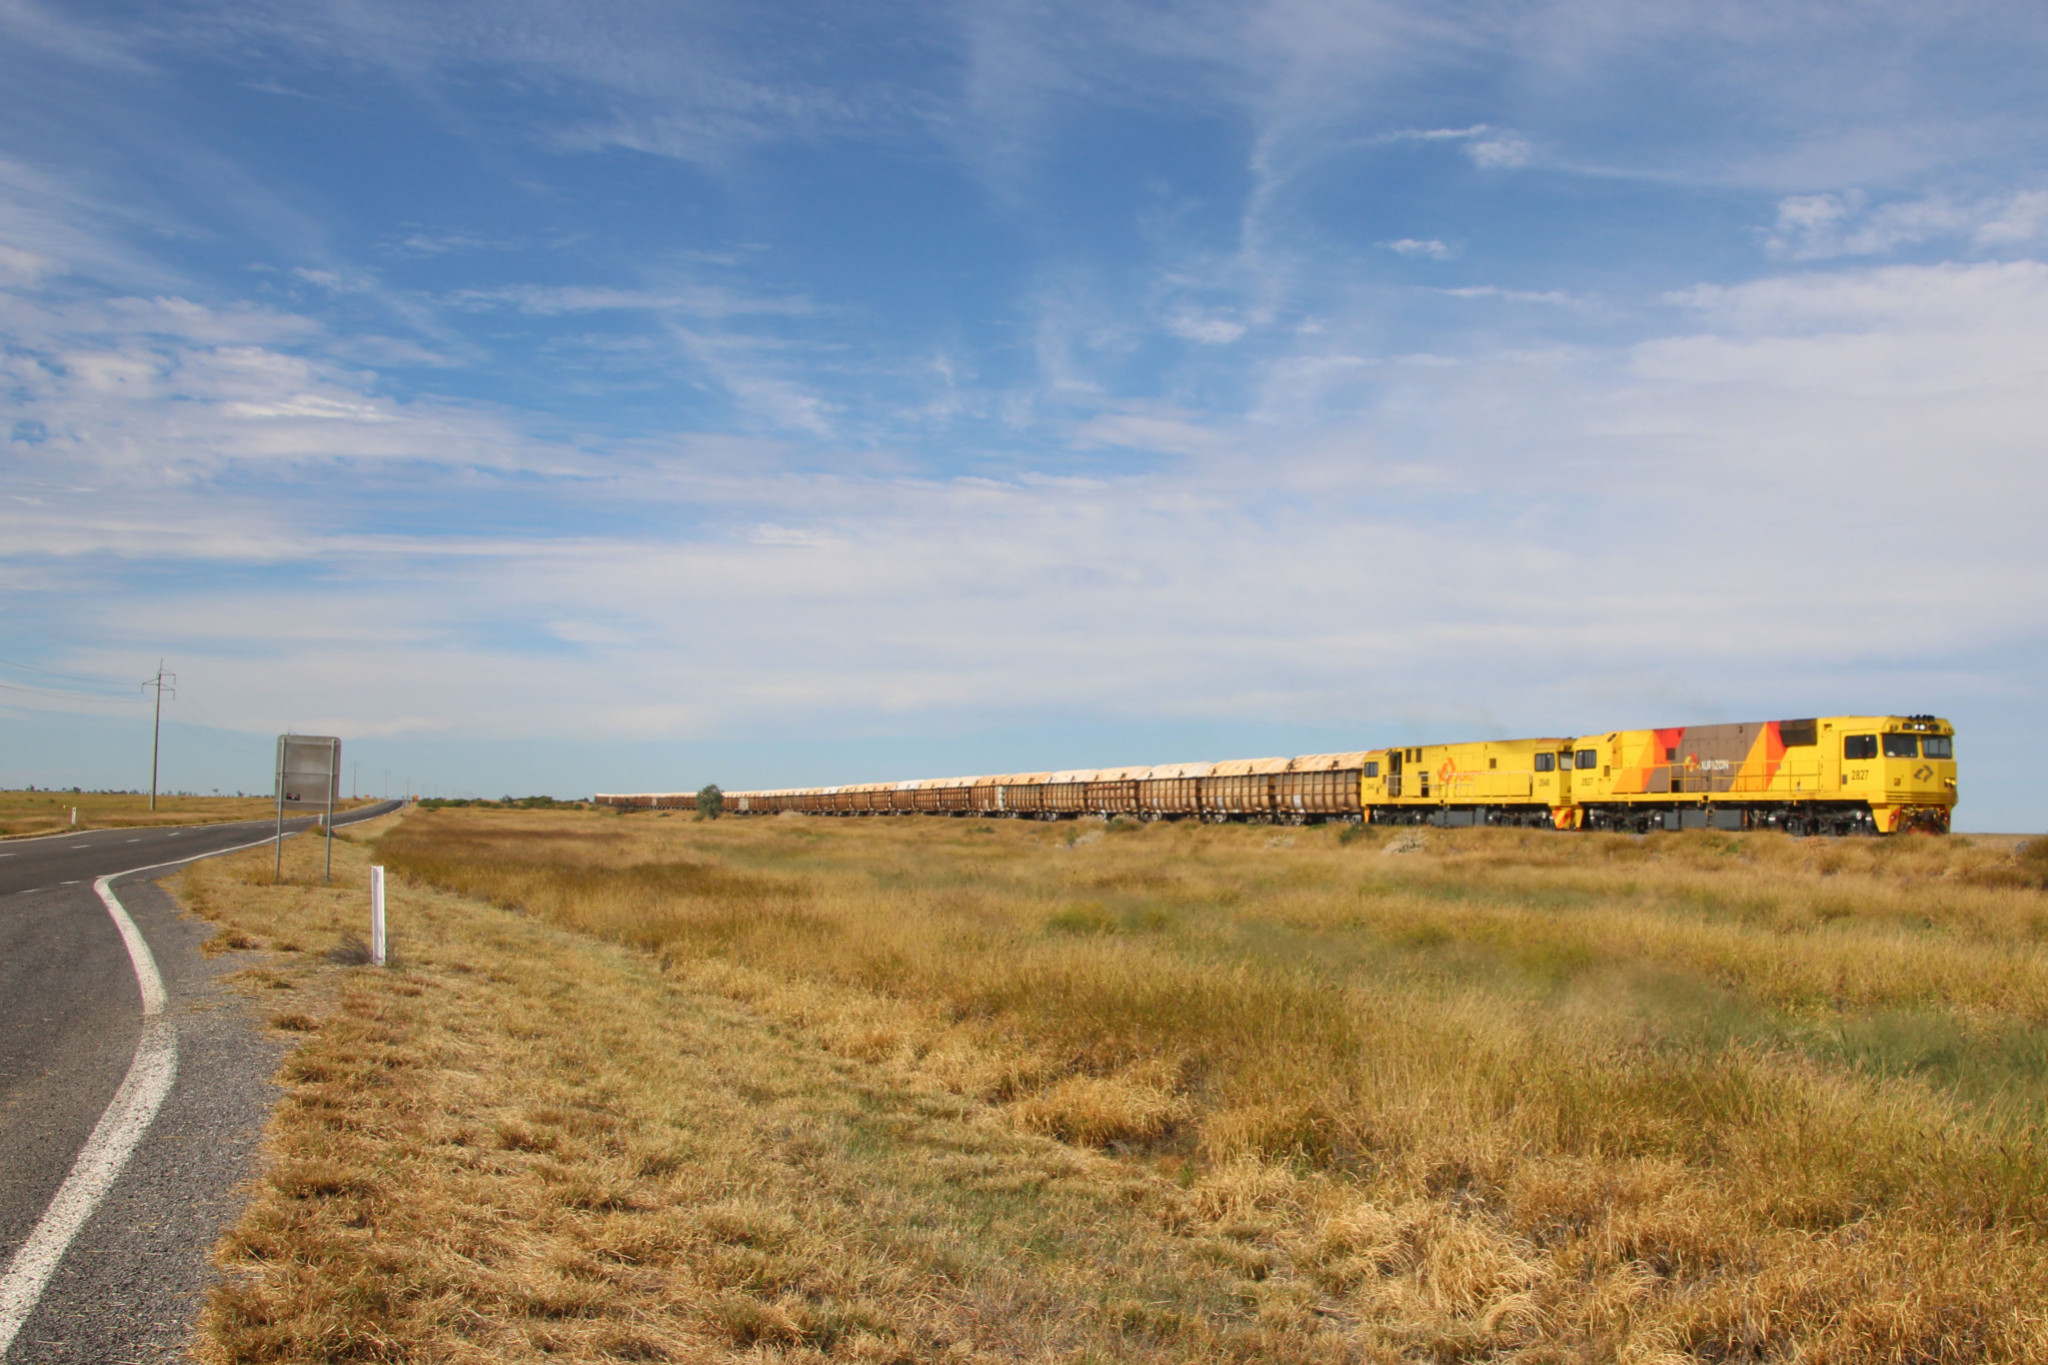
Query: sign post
<point x="308" y="778"/>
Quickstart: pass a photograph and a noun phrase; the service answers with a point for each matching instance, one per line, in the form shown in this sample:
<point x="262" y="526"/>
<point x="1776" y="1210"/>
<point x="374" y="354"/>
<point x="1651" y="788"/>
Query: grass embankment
<point x="902" y="1088"/>
<point x="25" y="814"/>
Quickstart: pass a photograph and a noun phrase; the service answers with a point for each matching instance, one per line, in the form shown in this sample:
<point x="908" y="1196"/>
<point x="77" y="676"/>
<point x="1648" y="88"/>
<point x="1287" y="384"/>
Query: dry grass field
<point x="647" y="1087"/>
<point x="25" y="813"/>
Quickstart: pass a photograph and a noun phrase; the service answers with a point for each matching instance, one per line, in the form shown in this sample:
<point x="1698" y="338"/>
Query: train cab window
<point x="1856" y="747"/>
<point x="1902" y="746"/>
<point x="1546" y="763"/>
<point x="1372" y="768"/>
<point x="1588" y="758"/>
<point x="1671" y="755"/>
<point x="1938" y="746"/>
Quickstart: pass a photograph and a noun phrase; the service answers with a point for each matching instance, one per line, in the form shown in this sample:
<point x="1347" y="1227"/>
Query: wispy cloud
<point x="2021" y="219"/>
<point x="1815" y="227"/>
<point x="1494" y="291"/>
<point x="447" y="243"/>
<point x="1489" y="147"/>
<point x="1209" y="330"/>
<point x="23" y="267"/>
<point x="704" y="301"/>
<point x="51" y="33"/>
<point x="1503" y="151"/>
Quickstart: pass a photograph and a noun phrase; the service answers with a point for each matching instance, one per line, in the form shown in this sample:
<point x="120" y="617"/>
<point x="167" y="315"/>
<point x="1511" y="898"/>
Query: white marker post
<point x="376" y="915"/>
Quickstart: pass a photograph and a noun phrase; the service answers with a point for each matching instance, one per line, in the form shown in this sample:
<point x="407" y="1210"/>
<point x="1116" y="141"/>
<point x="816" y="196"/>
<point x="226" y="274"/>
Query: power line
<point x="61" y="694"/>
<point x="53" y="673"/>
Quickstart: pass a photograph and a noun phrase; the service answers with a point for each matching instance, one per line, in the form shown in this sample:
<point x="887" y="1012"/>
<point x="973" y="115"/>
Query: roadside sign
<point x="308" y="771"/>
<point x="308" y="778"/>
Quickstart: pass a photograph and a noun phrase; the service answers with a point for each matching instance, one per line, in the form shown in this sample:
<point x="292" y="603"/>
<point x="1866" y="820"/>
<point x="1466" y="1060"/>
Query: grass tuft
<point x="228" y="940"/>
<point x="349" y="951"/>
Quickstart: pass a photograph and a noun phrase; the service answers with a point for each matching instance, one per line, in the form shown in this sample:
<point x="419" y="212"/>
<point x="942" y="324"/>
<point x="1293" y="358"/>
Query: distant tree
<point x="711" y="802"/>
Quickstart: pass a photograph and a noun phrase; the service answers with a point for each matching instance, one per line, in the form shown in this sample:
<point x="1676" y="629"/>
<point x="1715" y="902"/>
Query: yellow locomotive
<point x="1834" y="775"/>
<point x="1829" y="775"/>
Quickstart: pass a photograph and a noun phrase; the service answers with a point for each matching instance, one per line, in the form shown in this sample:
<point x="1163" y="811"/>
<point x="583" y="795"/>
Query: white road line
<point x="114" y="1139"/>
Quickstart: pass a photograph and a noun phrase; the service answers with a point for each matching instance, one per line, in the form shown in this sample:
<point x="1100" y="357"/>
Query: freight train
<point x="1827" y="775"/>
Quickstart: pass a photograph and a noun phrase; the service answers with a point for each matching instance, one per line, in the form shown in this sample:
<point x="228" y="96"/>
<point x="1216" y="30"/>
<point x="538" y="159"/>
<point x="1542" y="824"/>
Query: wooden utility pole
<point x="156" y="732"/>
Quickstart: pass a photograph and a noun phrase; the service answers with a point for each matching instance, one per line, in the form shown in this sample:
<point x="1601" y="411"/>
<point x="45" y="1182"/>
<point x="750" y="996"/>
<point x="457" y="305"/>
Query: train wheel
<point x="1794" y="826"/>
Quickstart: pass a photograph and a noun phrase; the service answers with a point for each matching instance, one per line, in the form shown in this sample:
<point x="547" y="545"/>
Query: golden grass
<point x="25" y="813"/>
<point x="1161" y="1092"/>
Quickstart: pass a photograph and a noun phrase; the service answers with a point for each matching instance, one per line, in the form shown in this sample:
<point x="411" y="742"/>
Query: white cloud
<point x="23" y="267"/>
<point x="768" y="389"/>
<point x="51" y="226"/>
<point x="1155" y="429"/>
<point x="1500" y="152"/>
<point x="2021" y="219"/>
<point x="1208" y="330"/>
<point x="167" y="388"/>
<point x="1477" y="130"/>
<point x="1489" y="147"/>
<point x="704" y="301"/>
<point x="32" y="26"/>
<point x="1494" y="291"/>
<point x="1423" y="246"/>
<point x="703" y="83"/>
<point x="1812" y="227"/>
<point x="316" y="406"/>
<point x="448" y="243"/>
<point x="583" y="631"/>
<point x="1950" y="297"/>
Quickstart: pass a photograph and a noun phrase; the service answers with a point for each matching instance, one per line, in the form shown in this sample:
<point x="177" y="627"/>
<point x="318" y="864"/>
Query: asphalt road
<point x="70" y="1019"/>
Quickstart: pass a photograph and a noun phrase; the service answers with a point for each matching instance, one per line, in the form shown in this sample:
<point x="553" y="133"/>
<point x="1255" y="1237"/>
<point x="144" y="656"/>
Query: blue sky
<point x="620" y="396"/>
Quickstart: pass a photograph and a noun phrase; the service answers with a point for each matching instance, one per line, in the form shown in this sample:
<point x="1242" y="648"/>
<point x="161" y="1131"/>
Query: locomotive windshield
<point x="1899" y="746"/>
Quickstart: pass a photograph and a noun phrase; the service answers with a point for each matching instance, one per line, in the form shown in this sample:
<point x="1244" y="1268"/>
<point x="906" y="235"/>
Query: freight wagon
<point x="1828" y="775"/>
